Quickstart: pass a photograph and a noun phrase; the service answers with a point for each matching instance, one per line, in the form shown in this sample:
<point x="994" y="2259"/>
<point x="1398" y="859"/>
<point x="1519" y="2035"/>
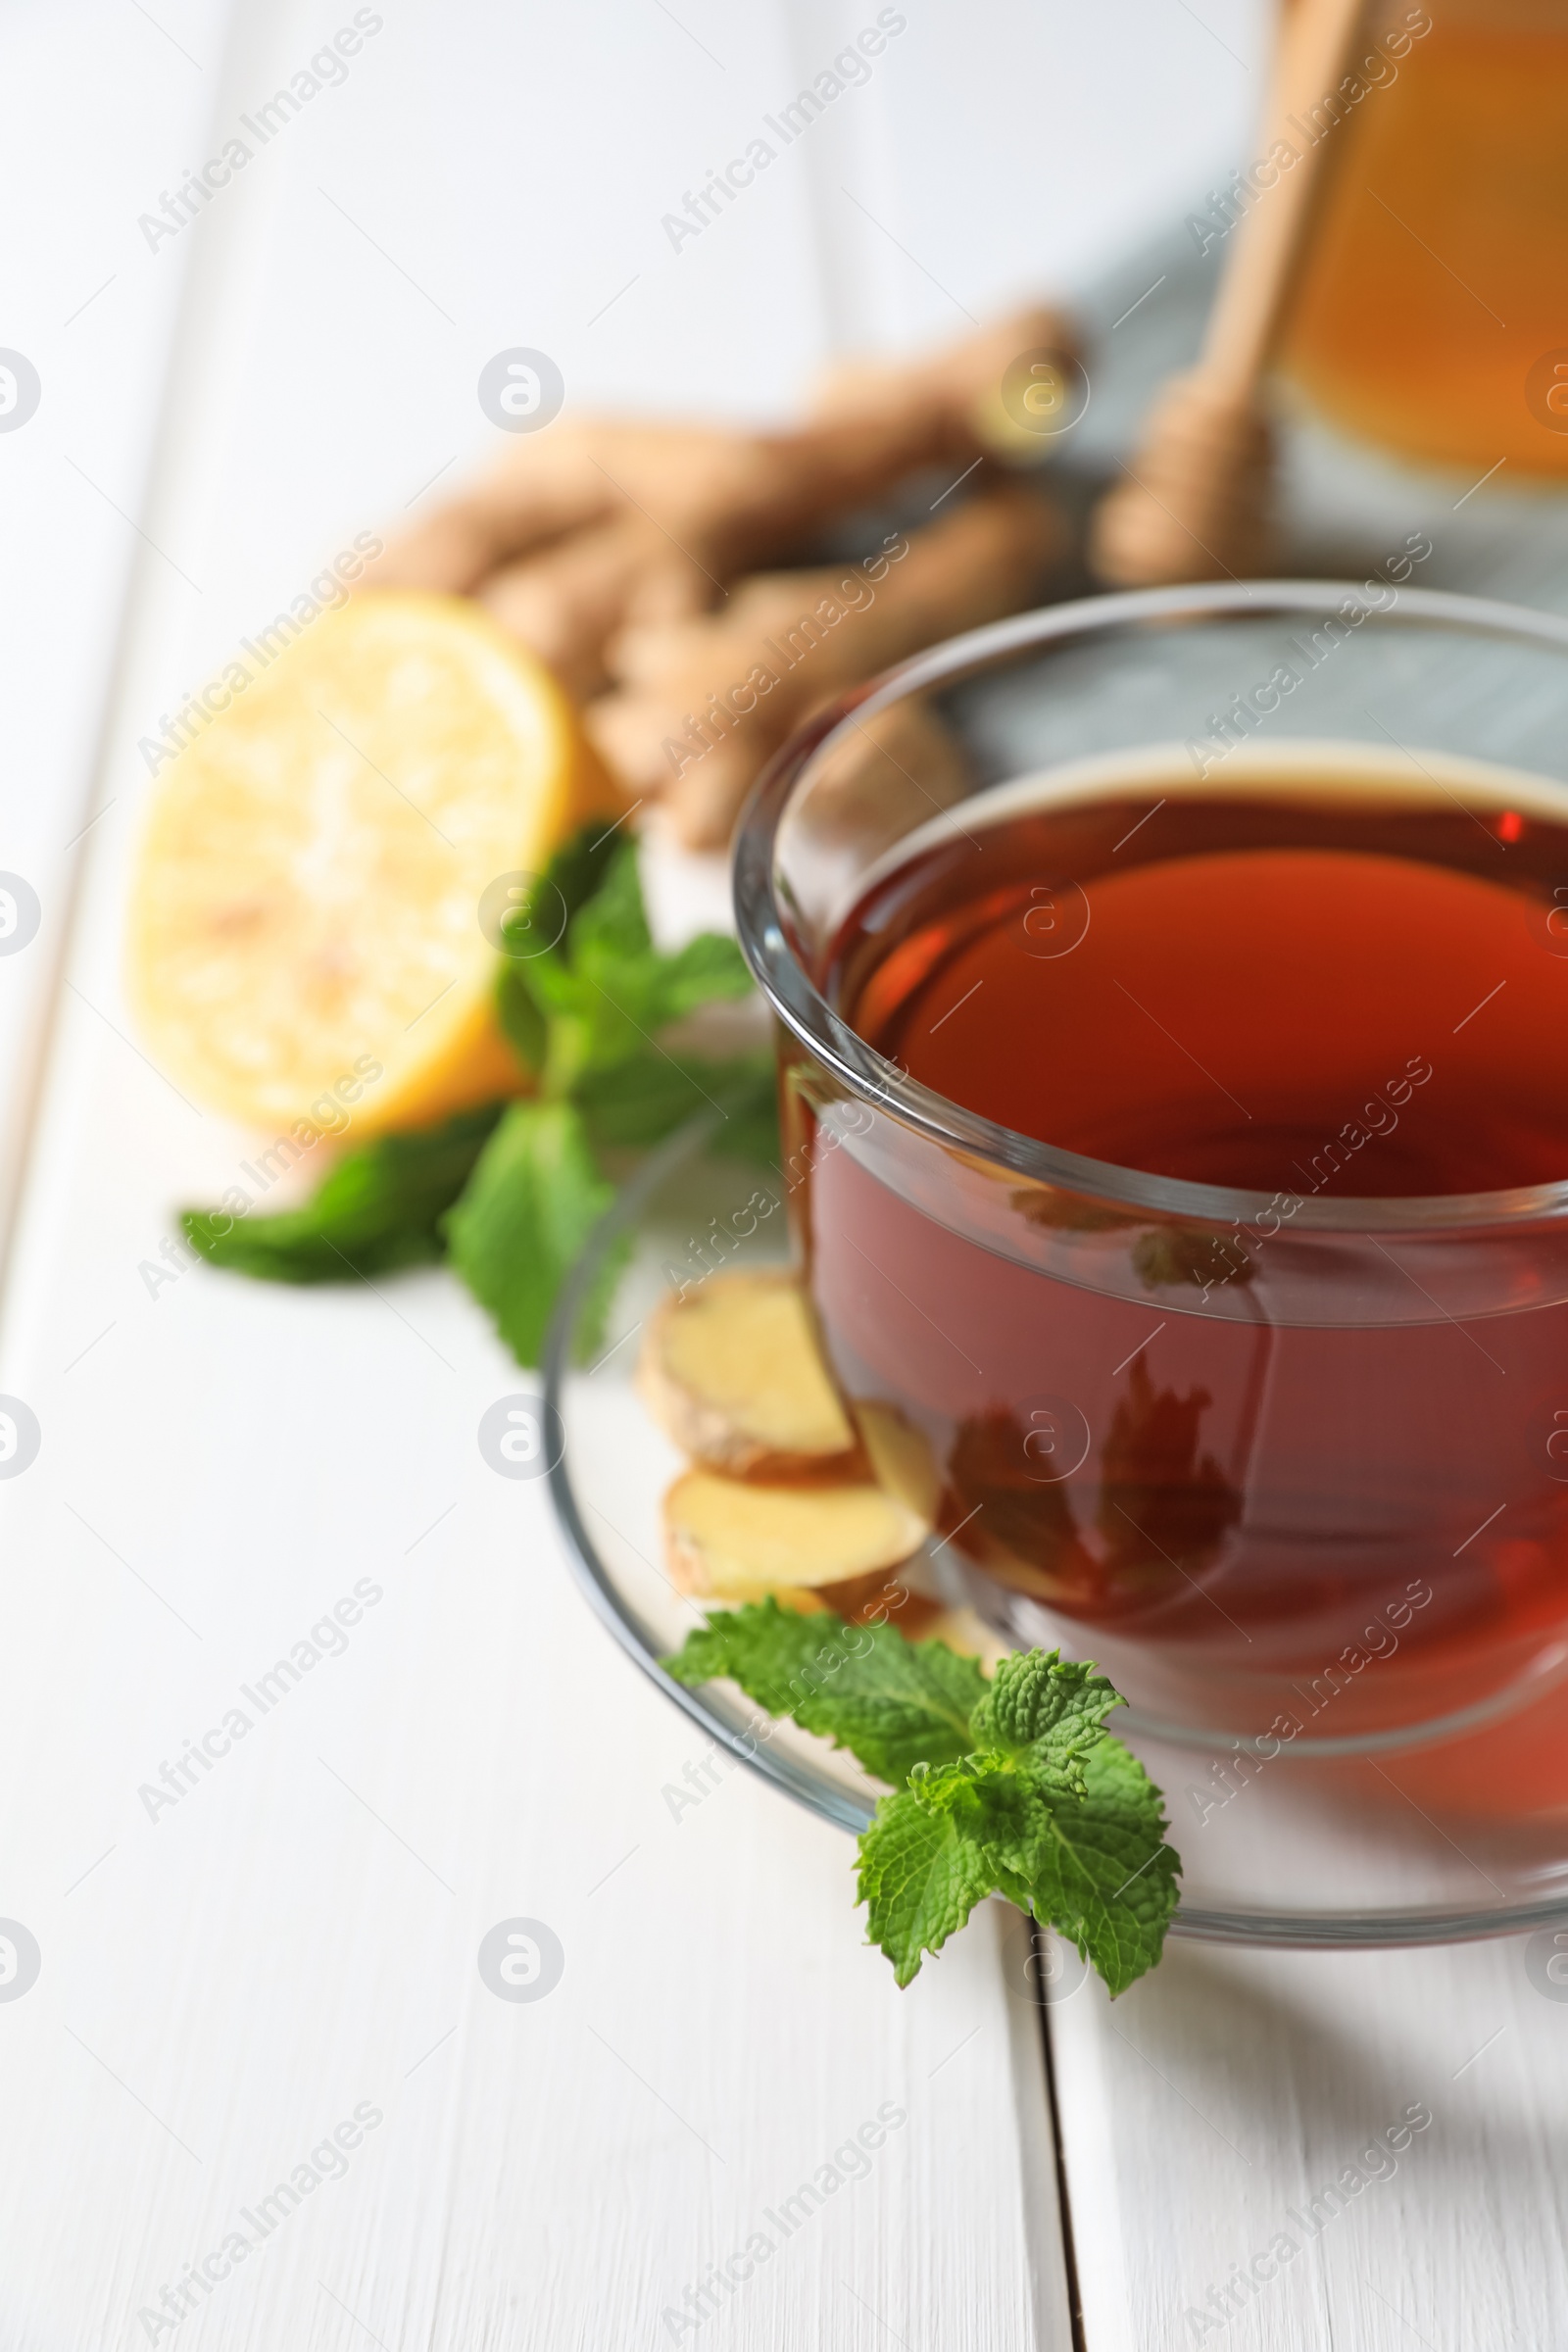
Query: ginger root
<point x="706" y="700"/>
<point x="626" y="555"/>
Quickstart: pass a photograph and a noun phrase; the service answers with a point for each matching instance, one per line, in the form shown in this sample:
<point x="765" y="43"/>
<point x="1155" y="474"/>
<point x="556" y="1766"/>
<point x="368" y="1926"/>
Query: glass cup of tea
<point x="1172" y="1003"/>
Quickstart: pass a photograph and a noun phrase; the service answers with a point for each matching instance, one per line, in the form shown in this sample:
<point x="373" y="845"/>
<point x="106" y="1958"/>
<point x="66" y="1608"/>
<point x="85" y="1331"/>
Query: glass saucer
<point x="1323" y="1839"/>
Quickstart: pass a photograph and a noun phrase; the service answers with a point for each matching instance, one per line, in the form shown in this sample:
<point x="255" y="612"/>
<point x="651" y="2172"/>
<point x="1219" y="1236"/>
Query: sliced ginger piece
<point x="729" y="1539"/>
<point x="885" y="1598"/>
<point x="901" y="1457"/>
<point x="965" y="1631"/>
<point x="734" y="1375"/>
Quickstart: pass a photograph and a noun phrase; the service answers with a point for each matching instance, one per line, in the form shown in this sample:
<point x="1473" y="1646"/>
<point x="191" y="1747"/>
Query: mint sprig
<point x="1004" y="1785"/>
<point x="379" y="1209"/>
<point x="508" y="1192"/>
<point x="524" y="1215"/>
<point x="893" y="1704"/>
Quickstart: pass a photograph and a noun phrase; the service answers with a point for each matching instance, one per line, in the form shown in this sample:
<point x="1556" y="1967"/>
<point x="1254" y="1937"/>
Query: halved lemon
<point x="310" y="934"/>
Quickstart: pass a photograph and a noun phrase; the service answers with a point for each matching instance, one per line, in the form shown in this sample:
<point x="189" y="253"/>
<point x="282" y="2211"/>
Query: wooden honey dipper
<point x="1198" y="501"/>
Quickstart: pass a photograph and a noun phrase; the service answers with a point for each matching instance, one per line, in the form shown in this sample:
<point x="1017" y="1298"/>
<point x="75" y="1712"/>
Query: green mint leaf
<point x="605" y="1009"/>
<point x="609" y="922"/>
<point x="750" y="1129"/>
<point x="595" y="1000"/>
<point x="621" y="1002"/>
<point x="1089" y="1859"/>
<point x="610" y="946"/>
<point x="1013" y="1785"/>
<point x="523" y="1023"/>
<point x="919" y="1877"/>
<point x="378" y="1209"/>
<point x="998" y="1804"/>
<point x="529" y="1205"/>
<point x="707" y="969"/>
<point x="537" y="987"/>
<point x="1053" y="1706"/>
<point x="1107" y="1879"/>
<point x="640" y="1102"/>
<point x="892" y="1703"/>
<point x="579" y="867"/>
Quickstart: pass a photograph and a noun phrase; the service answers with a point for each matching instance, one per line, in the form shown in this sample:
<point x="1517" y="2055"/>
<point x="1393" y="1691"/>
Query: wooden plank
<point x="91" y="307"/>
<point x="1209" y="2115"/>
<point x="259" y="1899"/>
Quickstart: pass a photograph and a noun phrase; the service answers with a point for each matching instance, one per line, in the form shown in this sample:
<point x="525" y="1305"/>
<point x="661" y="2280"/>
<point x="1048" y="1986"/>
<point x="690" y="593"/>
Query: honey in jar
<point x="1433" y="312"/>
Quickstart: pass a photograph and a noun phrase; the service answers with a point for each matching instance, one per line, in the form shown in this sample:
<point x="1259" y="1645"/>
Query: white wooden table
<point x="282" y="1959"/>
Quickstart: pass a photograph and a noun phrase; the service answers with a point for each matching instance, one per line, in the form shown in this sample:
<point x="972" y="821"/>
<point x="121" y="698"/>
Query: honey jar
<point x="1432" y="316"/>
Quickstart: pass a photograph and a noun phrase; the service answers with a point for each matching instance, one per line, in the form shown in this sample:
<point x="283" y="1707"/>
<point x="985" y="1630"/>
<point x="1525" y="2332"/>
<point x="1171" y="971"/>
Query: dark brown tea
<point x="1221" y="1436"/>
<point x="1229" y="996"/>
